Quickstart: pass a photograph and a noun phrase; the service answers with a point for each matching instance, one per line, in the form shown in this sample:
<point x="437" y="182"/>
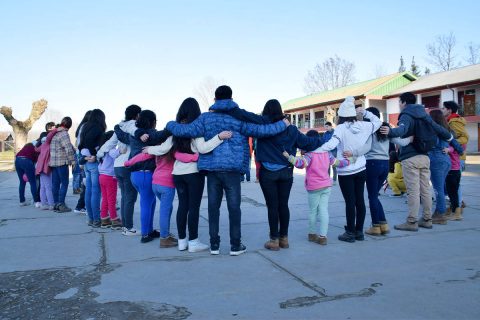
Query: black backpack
<point x="424" y="136"/>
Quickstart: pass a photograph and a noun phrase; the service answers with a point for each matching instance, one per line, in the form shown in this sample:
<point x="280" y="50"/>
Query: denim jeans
<point x="217" y="182"/>
<point x="26" y="166"/>
<point x="439" y="167"/>
<point x="352" y="187"/>
<point x="92" y="192"/>
<point x="377" y="172"/>
<point x="165" y="195"/>
<point x="142" y="181"/>
<point x="128" y="196"/>
<point x="77" y="174"/>
<point x="247" y="174"/>
<point x="190" y="191"/>
<point x="318" y="203"/>
<point x="276" y="186"/>
<point x="59" y="183"/>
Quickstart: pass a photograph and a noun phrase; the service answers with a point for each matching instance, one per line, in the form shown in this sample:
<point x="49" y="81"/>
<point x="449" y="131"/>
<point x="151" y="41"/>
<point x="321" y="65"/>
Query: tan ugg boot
<point x="384" y="227"/>
<point x="457" y="216"/>
<point x="374" y="230"/>
<point x="283" y="242"/>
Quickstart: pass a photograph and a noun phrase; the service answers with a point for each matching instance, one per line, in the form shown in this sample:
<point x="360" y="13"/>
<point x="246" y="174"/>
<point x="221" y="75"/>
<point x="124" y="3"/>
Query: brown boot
<point x="312" y="237"/>
<point x="384" y="229"/>
<point x="457" y="216"/>
<point x="283" y="242"/>
<point x="374" y="230"/>
<point x="168" y="242"/>
<point x="272" y="244"/>
<point x="438" y="218"/>
<point x="321" y="240"/>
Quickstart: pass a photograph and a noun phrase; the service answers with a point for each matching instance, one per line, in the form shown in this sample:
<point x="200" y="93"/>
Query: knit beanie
<point x="347" y="108"/>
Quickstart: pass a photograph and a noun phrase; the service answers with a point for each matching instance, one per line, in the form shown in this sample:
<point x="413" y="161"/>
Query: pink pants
<point x="108" y="187"/>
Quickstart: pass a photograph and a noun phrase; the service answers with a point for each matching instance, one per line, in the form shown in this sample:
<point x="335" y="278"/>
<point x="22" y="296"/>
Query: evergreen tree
<point x="427" y="71"/>
<point x="414" y="69"/>
<point x="402" y="65"/>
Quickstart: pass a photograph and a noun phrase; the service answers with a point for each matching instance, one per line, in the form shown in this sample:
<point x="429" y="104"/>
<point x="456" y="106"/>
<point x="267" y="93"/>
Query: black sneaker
<point x="215" y="249"/>
<point x="55" y="207"/>
<point x="62" y="207"/>
<point x="96" y="224"/>
<point x="347" y="237"/>
<point x="359" y="236"/>
<point x="146" y="238"/>
<point x="154" y="234"/>
<point x="237" y="250"/>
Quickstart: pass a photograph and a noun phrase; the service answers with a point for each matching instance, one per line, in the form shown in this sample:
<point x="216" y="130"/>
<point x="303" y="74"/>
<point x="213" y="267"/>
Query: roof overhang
<point x="322" y="104"/>
<point x="446" y="86"/>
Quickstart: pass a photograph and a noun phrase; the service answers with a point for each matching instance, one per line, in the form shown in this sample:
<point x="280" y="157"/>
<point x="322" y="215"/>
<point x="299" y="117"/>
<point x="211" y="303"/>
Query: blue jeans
<point x="77" y="175"/>
<point x="165" y="195"/>
<point x="377" y="172"/>
<point x="142" y="181"/>
<point x="247" y="174"/>
<point x="439" y="167"/>
<point x="218" y="181"/>
<point x="92" y="191"/>
<point x="26" y="166"/>
<point x="59" y="183"/>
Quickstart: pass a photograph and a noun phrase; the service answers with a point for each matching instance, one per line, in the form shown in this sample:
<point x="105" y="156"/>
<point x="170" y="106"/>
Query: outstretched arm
<point x="190" y="130"/>
<point x="121" y="135"/>
<point x="265" y="130"/>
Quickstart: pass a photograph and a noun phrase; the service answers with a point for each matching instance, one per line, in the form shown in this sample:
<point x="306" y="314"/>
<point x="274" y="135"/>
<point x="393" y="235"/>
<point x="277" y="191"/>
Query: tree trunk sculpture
<point x="21" y="128"/>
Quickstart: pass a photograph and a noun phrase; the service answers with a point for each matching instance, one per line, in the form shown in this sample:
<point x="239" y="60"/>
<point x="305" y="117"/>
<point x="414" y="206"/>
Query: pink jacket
<point x="317" y="164"/>
<point x="454" y="158"/>
<point x="163" y="172"/>
<point x="44" y="157"/>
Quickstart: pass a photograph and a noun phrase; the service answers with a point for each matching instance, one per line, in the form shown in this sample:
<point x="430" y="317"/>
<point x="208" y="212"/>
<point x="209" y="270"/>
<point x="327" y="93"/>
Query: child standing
<point x="318" y="184"/>
<point x="45" y="172"/>
<point x="108" y="188"/>
<point x="452" y="183"/>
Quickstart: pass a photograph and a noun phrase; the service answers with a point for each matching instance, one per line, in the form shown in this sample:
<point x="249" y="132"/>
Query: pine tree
<point x="402" y="65"/>
<point x="414" y="69"/>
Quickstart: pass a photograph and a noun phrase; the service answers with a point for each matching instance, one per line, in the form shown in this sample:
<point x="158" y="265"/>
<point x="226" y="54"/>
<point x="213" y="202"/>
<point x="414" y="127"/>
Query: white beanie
<point x="347" y="108"/>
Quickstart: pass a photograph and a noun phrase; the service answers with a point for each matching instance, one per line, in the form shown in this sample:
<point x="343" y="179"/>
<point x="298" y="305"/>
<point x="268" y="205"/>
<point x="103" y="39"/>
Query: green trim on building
<point x="380" y="87"/>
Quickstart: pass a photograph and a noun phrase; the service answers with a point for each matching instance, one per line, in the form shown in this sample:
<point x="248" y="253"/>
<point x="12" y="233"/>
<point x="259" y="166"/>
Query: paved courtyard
<point x="53" y="266"/>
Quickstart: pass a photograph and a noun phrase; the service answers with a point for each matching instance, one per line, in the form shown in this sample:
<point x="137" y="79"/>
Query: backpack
<point x="424" y="136"/>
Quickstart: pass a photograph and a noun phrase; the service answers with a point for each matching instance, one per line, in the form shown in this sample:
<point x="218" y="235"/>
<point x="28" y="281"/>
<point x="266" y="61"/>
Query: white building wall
<point x="448" y="95"/>
<point x="392" y="106"/>
<point x="472" y="129"/>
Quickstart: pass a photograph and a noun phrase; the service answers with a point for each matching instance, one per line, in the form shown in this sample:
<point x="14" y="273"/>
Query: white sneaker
<point x="130" y="232"/>
<point x="45" y="207"/>
<point x="38" y="204"/>
<point x="182" y="244"/>
<point x="196" y="246"/>
<point x="24" y="204"/>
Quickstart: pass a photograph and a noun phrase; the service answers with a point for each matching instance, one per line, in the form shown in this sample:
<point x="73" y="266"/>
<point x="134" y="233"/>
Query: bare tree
<point x="205" y="91"/>
<point x="473" y="53"/>
<point x="441" y="52"/>
<point x="21" y="128"/>
<point x="334" y="72"/>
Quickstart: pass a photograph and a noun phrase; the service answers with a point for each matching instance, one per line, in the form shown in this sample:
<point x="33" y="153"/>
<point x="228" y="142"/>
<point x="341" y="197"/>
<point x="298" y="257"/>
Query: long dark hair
<point x="96" y="120"/>
<point x="438" y="117"/>
<point x="380" y="137"/>
<point x="147" y="119"/>
<point x="189" y="111"/>
<point x="273" y="110"/>
<point x="84" y="120"/>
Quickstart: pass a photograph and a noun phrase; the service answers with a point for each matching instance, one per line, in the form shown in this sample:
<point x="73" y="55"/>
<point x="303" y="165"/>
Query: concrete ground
<point x="53" y="266"/>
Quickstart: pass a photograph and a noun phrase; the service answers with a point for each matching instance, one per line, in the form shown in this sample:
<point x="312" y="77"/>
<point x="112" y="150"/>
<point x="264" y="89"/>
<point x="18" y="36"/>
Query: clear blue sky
<point x="85" y="54"/>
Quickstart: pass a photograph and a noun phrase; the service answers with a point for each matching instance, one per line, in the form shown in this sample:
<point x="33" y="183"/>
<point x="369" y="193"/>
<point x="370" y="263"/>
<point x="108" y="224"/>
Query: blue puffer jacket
<point x="232" y="154"/>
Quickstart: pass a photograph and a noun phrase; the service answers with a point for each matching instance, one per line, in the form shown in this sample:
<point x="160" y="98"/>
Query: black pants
<point x="190" y="190"/>
<point x="352" y="187"/>
<point x="276" y="186"/>
<point x="452" y="183"/>
<point x="81" y="200"/>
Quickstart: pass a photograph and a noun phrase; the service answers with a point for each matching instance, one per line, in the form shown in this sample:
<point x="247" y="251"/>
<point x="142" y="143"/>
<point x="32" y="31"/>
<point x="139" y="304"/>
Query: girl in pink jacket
<point x="318" y="184"/>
